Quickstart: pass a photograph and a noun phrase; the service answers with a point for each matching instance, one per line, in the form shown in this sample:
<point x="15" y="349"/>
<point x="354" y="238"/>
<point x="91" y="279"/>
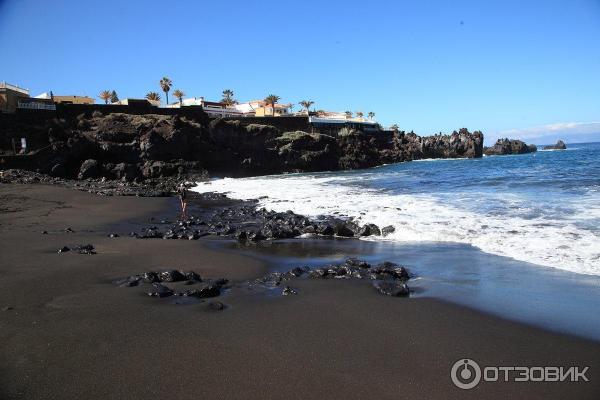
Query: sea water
<point x="516" y="235"/>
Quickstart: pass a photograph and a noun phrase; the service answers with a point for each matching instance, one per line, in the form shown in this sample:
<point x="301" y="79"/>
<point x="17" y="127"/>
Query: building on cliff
<point x="13" y="97"/>
<point x="66" y="99"/>
<point x="134" y="102"/>
<point x="214" y="109"/>
<point x="217" y="109"/>
<point x="262" y="109"/>
<point x="10" y="96"/>
<point x="334" y="122"/>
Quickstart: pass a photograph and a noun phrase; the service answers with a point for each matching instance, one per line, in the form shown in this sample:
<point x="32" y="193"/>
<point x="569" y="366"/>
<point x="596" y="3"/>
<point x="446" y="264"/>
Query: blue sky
<point x="505" y="67"/>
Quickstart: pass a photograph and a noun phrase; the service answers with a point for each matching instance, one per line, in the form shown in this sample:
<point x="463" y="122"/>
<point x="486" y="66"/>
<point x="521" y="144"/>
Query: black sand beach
<point x="67" y="332"/>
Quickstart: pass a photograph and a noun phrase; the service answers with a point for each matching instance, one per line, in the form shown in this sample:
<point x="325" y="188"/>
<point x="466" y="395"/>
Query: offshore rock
<point x="509" y="146"/>
<point x="560" y="145"/>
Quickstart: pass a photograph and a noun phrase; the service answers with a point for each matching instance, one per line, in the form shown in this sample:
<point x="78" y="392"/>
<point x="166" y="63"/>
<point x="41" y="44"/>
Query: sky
<point x="524" y="69"/>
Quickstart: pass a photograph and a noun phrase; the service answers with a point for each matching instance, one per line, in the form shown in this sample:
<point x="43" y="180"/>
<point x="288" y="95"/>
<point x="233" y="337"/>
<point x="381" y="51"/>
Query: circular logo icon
<point x="465" y="374"/>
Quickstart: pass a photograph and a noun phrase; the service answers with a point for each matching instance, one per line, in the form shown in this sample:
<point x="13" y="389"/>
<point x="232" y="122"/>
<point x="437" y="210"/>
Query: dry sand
<point x="66" y="332"/>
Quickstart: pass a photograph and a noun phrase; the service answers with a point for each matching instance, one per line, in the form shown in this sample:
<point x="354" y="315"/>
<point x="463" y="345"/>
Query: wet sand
<point x="67" y="332"/>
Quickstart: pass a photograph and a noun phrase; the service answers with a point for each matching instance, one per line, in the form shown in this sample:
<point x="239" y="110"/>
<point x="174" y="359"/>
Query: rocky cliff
<point x="509" y="146"/>
<point x="138" y="147"/>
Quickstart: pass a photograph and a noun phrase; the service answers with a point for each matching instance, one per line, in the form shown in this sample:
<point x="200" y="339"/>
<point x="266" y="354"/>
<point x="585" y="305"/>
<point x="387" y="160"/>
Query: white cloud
<point x="568" y="131"/>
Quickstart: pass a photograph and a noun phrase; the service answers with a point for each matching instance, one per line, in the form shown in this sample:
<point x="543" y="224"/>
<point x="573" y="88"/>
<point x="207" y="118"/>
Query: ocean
<point x="502" y="233"/>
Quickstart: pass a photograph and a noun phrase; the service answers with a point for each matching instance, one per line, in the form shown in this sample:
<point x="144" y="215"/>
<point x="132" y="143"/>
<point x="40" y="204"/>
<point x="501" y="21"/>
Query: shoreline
<point x="543" y="298"/>
<point x="69" y="323"/>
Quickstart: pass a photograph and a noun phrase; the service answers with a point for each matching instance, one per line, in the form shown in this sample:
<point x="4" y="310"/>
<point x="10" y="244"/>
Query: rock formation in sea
<point x="509" y="146"/>
<point x="560" y="145"/>
<point x="140" y="147"/>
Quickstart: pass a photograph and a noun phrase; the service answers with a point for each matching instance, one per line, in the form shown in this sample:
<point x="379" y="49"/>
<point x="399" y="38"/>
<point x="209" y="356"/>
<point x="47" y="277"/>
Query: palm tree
<point x="272" y="100"/>
<point x="153" y="96"/>
<point x="179" y="95"/>
<point x="228" y="99"/>
<point x="306" y="104"/>
<point x="348" y="114"/>
<point x="165" y="85"/>
<point x="371" y="114"/>
<point x="105" y="95"/>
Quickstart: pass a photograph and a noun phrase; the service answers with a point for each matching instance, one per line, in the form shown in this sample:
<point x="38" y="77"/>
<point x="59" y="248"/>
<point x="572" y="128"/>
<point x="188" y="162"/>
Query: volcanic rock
<point x="560" y="145"/>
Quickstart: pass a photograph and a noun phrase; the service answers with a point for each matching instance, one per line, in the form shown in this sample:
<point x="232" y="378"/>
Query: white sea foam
<point x="557" y="243"/>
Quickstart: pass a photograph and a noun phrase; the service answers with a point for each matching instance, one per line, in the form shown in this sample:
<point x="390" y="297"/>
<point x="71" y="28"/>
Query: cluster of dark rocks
<point x="509" y="146"/>
<point x="199" y="288"/>
<point x="80" y="249"/>
<point x="244" y="222"/>
<point x="387" y="278"/>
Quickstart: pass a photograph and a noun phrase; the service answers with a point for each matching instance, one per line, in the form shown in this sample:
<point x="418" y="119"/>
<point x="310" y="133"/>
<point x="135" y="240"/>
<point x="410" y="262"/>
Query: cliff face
<point x="509" y="146"/>
<point x="130" y="147"/>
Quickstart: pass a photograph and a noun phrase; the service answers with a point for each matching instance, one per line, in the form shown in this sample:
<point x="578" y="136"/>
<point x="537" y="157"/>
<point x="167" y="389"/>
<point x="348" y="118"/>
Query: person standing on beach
<point x="182" y="192"/>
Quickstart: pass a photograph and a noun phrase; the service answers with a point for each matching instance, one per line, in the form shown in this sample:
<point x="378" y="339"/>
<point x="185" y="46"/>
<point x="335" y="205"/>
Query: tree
<point x="306" y="104"/>
<point x="272" y="100"/>
<point x="113" y="97"/>
<point x="105" y="95"/>
<point x="371" y="114"/>
<point x="359" y="114"/>
<point x="348" y="114"/>
<point x="179" y="95"/>
<point x="395" y="127"/>
<point x="228" y="99"/>
<point x="153" y="96"/>
<point x="165" y="85"/>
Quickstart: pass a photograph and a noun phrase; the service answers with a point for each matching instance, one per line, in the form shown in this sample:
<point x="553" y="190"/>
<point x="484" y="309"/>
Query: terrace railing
<point x="36" y="106"/>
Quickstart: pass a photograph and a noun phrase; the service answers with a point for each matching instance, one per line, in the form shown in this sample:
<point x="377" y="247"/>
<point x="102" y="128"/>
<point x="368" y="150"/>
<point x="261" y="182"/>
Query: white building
<point x="336" y="122"/>
<point x="216" y="109"/>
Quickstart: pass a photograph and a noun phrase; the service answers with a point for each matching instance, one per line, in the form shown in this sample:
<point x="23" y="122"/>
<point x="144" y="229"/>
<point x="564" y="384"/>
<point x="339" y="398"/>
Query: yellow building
<point x="10" y="95"/>
<point x="73" y="99"/>
<point x="263" y="109"/>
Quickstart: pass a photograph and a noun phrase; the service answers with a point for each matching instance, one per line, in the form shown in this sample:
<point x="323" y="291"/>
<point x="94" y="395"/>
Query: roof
<point x="4" y="85"/>
<point x="262" y="103"/>
<point x="72" y="95"/>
